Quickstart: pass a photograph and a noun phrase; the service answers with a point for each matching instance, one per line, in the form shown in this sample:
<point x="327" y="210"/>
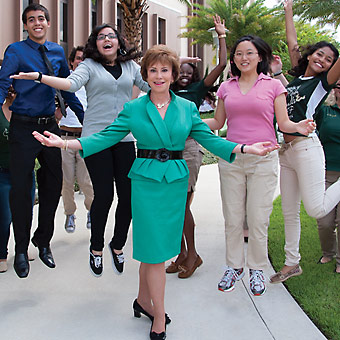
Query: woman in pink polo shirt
<point x="248" y="102"/>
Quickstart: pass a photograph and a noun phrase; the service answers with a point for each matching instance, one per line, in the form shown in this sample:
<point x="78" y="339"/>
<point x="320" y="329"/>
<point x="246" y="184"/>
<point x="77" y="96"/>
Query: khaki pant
<point x="302" y="176"/>
<point x="328" y="226"/>
<point x="247" y="190"/>
<point x="74" y="167"/>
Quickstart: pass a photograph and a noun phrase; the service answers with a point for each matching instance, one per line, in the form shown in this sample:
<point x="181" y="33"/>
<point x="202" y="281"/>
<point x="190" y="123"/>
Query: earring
<point x="122" y="52"/>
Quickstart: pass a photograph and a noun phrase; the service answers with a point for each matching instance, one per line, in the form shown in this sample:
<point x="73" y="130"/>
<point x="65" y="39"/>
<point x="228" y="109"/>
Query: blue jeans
<point x="5" y="211"/>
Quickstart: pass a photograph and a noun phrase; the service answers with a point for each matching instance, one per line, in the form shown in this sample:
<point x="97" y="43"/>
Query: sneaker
<point x="70" y="223"/>
<point x="96" y="264"/>
<point x="231" y="275"/>
<point x="257" y="280"/>
<point x="88" y="222"/>
<point x="117" y="260"/>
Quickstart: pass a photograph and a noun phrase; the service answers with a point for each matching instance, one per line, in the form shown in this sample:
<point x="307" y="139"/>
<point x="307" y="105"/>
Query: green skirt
<point x="158" y="210"/>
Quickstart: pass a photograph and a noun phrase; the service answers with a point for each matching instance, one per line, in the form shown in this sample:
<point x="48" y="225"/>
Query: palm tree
<point x="133" y="11"/>
<point x="325" y="11"/>
<point x="241" y="18"/>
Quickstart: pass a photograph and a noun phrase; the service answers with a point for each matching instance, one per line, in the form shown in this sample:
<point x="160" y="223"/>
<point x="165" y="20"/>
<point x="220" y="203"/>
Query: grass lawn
<point x="317" y="290"/>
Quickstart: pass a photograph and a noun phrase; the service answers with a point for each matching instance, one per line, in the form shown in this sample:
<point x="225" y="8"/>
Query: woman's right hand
<point x="288" y="5"/>
<point x="51" y="140"/>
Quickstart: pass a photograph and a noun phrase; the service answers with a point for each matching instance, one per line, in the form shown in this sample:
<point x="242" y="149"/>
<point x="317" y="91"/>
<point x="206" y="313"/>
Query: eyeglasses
<point x="249" y="54"/>
<point x="103" y="36"/>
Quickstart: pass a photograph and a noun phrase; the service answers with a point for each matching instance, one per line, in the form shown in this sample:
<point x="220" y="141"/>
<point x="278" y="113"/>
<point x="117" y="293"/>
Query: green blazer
<point x="141" y="117"/>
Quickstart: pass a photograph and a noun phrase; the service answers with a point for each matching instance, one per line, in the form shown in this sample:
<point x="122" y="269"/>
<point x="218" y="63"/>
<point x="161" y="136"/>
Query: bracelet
<point x="242" y="148"/>
<point x="221" y="36"/>
<point x="65" y="146"/>
<point x="277" y="73"/>
<point x="38" y="80"/>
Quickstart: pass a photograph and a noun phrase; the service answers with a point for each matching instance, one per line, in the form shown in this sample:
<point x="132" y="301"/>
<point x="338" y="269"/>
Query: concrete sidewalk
<point x="69" y="303"/>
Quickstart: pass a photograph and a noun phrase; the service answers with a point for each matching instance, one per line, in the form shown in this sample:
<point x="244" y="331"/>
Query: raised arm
<point x="334" y="73"/>
<point x="293" y="47"/>
<point x="217" y="122"/>
<point x="56" y="82"/>
<point x="222" y="55"/>
<point x="276" y="68"/>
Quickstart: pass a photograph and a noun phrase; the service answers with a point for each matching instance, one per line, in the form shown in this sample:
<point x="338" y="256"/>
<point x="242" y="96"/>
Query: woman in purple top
<point x="248" y="102"/>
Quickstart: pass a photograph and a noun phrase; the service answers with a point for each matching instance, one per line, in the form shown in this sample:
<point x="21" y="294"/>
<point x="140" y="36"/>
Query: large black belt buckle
<point x="162" y="155"/>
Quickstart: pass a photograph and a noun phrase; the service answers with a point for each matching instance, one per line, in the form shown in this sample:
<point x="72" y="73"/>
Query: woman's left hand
<point x="261" y="148"/>
<point x="26" y="76"/>
<point x="306" y="126"/>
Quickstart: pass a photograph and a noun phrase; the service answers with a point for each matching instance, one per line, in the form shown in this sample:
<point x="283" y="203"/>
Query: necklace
<point x="159" y="106"/>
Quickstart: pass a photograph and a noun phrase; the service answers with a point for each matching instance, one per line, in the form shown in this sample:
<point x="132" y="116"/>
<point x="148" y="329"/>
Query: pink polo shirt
<point x="250" y="116"/>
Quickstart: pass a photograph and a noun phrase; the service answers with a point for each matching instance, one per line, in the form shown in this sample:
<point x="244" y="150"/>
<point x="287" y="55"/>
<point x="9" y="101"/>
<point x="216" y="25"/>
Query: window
<point x="94" y="11"/>
<point x="25" y="3"/>
<point x="64" y="25"/>
<point x="119" y="18"/>
<point x="161" y="31"/>
<point x="144" y="32"/>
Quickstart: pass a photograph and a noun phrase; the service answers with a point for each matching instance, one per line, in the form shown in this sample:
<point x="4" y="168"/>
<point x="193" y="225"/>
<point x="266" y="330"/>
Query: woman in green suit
<point x="160" y="122"/>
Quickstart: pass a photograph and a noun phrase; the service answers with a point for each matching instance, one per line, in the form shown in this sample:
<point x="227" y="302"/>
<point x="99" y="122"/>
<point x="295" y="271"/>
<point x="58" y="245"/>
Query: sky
<point x="272" y="3"/>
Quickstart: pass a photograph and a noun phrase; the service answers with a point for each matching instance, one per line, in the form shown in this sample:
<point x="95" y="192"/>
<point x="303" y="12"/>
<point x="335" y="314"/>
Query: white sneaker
<point x="70" y="223"/>
<point x="257" y="280"/>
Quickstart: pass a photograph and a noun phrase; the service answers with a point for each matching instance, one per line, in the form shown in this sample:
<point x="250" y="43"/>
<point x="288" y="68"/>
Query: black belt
<point x="162" y="155"/>
<point x="71" y="134"/>
<point x="37" y="120"/>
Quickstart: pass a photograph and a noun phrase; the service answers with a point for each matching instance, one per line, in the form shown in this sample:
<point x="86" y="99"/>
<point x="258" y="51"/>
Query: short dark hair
<point x="74" y="52"/>
<point x="308" y="50"/>
<point x="164" y="55"/>
<point x="263" y="49"/>
<point x="34" y="7"/>
<point x="124" y="54"/>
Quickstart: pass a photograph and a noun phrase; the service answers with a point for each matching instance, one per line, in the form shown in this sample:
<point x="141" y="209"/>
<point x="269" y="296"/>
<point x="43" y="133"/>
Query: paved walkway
<point x="69" y="303"/>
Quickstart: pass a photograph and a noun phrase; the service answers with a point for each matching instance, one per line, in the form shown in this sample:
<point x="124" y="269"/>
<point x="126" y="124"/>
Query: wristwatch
<point x="38" y="80"/>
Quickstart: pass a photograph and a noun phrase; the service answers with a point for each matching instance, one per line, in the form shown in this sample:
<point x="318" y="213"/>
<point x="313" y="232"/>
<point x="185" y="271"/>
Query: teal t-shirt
<point x="328" y="125"/>
<point x="4" y="147"/>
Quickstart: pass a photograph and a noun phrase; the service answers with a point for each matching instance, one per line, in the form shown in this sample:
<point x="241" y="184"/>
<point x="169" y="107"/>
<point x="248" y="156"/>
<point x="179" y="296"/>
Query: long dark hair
<point x="195" y="77"/>
<point x="123" y="53"/>
<point x="308" y="50"/>
<point x="263" y="49"/>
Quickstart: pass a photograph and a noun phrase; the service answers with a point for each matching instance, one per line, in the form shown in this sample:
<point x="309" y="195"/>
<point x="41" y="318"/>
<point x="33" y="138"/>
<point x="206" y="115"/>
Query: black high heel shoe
<point x="157" y="336"/>
<point x="138" y="310"/>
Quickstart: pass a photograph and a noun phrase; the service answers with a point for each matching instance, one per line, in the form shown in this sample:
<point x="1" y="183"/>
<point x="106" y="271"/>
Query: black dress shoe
<point x="45" y="255"/>
<point x="157" y="336"/>
<point x="21" y="265"/>
<point x="138" y="310"/>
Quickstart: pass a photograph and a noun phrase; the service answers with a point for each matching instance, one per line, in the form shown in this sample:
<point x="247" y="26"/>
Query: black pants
<point x="24" y="149"/>
<point x="105" y="167"/>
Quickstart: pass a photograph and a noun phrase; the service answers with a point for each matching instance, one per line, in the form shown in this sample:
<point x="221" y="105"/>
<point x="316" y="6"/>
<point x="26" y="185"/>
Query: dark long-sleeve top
<point x="35" y="99"/>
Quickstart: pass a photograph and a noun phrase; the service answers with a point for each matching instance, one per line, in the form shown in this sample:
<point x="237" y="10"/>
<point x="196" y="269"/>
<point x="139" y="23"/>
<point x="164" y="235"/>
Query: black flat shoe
<point x="21" y="265"/>
<point x="45" y="255"/>
<point x="138" y="310"/>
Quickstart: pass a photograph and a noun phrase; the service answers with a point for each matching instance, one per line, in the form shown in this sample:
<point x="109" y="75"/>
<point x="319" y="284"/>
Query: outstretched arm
<point x="293" y="47"/>
<point x="222" y="55"/>
<point x="304" y="127"/>
<point x="53" y="140"/>
<point x="56" y="82"/>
